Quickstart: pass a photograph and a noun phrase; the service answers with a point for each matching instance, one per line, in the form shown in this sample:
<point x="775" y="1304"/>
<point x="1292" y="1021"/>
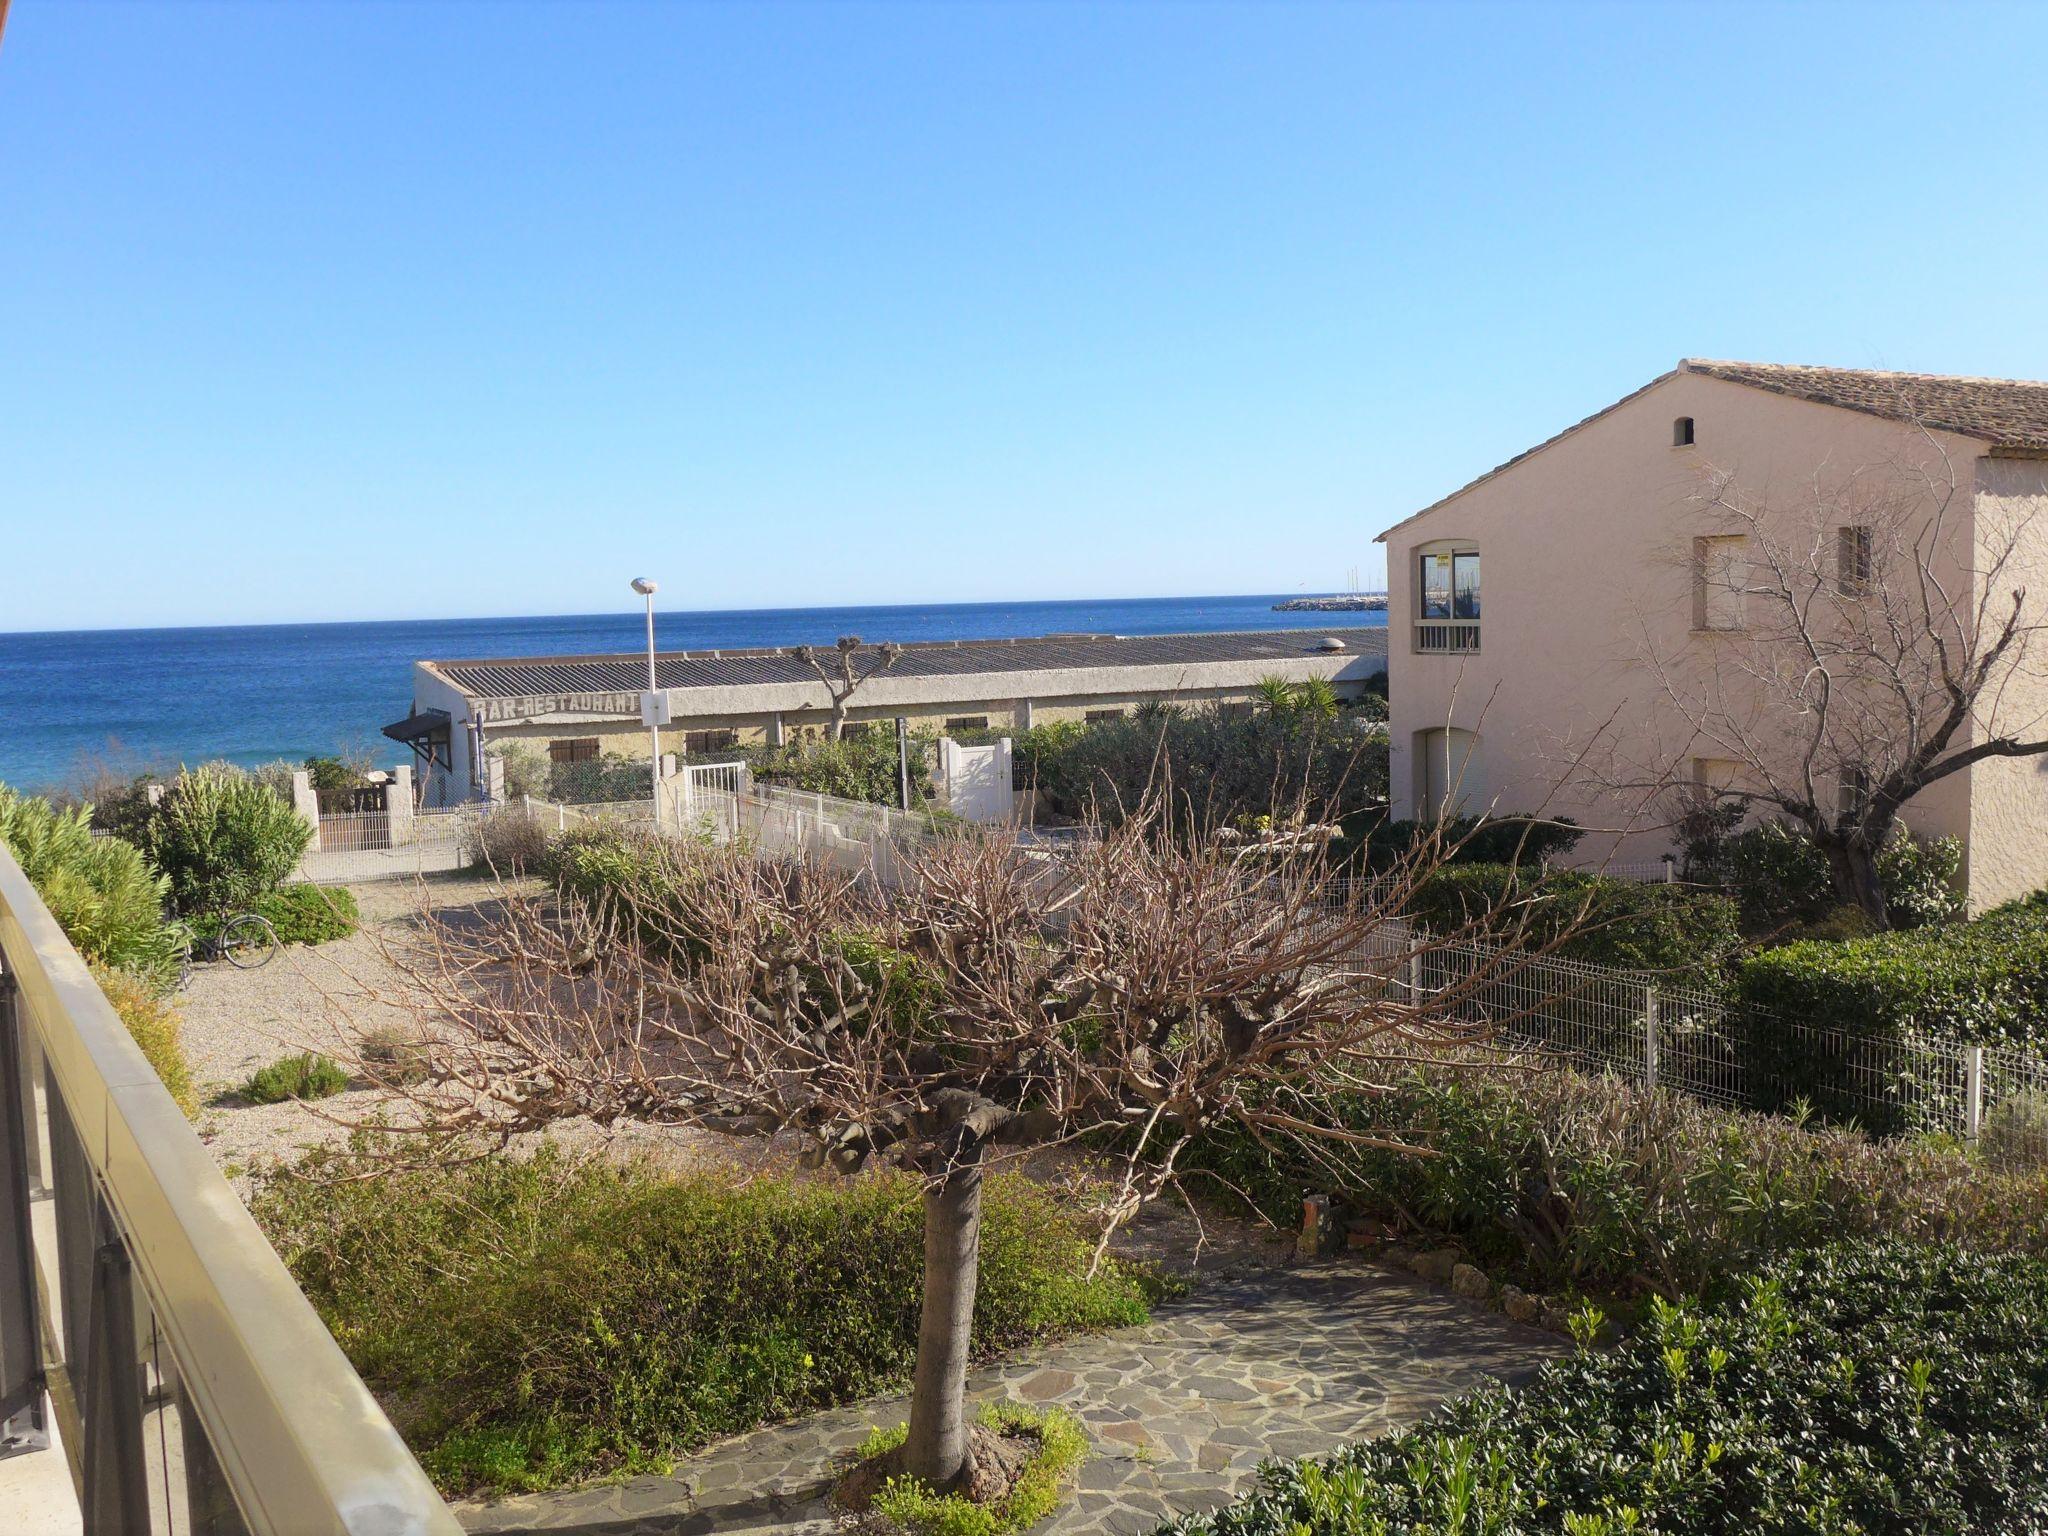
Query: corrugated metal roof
<point x="514" y="677"/>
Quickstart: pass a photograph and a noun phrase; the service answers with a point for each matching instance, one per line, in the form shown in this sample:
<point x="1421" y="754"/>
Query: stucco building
<point x="583" y="707"/>
<point x="1618" y="590"/>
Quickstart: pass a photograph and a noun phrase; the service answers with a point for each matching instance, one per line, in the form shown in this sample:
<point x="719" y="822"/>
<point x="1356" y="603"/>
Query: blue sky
<point x="452" y="308"/>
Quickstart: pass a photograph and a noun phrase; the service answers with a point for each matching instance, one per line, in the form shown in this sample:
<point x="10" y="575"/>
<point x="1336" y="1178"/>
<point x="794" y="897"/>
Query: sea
<point x="150" y="699"/>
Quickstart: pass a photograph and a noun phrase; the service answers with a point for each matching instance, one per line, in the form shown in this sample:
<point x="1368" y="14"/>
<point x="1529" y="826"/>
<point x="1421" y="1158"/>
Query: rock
<point x="1470" y="1282"/>
<point x="1436" y="1265"/>
<point x="1519" y="1304"/>
<point x="1555" y="1318"/>
<point x="1398" y="1256"/>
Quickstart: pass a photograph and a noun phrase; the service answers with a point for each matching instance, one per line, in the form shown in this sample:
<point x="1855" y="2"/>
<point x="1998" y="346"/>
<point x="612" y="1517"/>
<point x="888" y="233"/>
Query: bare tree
<point x="1131" y="995"/>
<point x="844" y="677"/>
<point x="1854" y="645"/>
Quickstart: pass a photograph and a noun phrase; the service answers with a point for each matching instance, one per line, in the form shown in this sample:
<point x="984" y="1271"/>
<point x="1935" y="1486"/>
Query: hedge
<point x="301" y="913"/>
<point x="1856" y="1002"/>
<point x="1686" y="935"/>
<point x="1845" y="1392"/>
<point x="1564" y="1180"/>
<point x="530" y="1321"/>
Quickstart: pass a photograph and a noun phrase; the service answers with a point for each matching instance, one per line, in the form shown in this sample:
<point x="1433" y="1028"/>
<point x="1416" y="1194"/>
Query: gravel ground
<point x="328" y="998"/>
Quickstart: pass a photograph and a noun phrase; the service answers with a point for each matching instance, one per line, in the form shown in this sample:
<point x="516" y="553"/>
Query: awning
<point x="431" y="722"/>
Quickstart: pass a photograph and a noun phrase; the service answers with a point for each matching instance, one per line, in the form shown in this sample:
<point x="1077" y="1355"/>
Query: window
<point x="1233" y="709"/>
<point x="1681" y="432"/>
<point x="968" y="723"/>
<point x="1852" y="793"/>
<point x="855" y="730"/>
<point x="1852" y="561"/>
<point x="579" y="749"/>
<point x="1718" y="776"/>
<point x="1097" y="716"/>
<point x="1447" y="600"/>
<point x="1720" y="582"/>
<point x="698" y="742"/>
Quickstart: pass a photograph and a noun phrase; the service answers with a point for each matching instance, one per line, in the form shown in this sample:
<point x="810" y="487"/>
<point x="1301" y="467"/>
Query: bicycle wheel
<point x="247" y="942"/>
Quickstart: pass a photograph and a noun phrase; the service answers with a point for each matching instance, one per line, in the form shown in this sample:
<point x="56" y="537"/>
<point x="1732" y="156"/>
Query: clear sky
<point x="453" y="308"/>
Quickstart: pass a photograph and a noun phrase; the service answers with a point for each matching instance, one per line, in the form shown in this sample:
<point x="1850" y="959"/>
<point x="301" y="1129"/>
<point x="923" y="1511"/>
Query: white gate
<point x="975" y="781"/>
<point x="708" y="795"/>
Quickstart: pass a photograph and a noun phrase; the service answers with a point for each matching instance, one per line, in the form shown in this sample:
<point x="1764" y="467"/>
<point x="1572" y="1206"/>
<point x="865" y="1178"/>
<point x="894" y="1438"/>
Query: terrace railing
<point x="193" y="1386"/>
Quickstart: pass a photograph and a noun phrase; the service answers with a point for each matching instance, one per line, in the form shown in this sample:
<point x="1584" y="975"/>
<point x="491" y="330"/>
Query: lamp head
<point x="645" y="586"/>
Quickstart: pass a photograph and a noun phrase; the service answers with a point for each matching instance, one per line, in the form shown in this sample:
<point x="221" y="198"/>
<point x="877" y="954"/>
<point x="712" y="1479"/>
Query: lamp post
<point x="647" y="588"/>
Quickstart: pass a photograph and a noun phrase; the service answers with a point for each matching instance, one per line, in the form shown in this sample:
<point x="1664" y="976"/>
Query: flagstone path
<point x="1179" y="1412"/>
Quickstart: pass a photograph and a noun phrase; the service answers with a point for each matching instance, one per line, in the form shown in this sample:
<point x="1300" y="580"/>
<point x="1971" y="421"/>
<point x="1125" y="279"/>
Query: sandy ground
<point x="330" y="997"/>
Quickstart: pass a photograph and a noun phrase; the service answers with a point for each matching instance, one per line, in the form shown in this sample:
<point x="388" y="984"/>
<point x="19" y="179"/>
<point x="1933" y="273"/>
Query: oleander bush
<point x="307" y="1075"/>
<point x="1561" y="1180"/>
<point x="104" y="895"/>
<point x="222" y="840"/>
<point x="1851" y="1391"/>
<point x="1683" y="935"/>
<point x="531" y="1320"/>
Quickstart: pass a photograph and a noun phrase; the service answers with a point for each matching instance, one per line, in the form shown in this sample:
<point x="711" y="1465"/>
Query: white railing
<point x="1446" y="635"/>
<point x="193" y="1386"/>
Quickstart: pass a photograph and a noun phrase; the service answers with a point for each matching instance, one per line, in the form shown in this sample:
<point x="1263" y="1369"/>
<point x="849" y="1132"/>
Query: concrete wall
<point x="1586" y="578"/>
<point x="2009" y="796"/>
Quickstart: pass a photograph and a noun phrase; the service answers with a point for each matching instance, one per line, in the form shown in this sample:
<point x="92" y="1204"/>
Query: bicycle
<point x="245" y="940"/>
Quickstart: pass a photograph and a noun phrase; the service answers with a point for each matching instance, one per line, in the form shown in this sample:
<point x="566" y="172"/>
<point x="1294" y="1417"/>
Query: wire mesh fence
<point x="1714" y="1048"/>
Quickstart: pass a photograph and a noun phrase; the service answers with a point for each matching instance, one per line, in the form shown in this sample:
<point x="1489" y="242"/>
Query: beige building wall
<point x="2009" y="795"/>
<point x="1586" y="557"/>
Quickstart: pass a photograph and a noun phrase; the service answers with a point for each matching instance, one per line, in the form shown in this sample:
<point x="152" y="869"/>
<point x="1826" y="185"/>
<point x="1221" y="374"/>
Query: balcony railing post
<point x="116" y="1475"/>
<point x="22" y="1423"/>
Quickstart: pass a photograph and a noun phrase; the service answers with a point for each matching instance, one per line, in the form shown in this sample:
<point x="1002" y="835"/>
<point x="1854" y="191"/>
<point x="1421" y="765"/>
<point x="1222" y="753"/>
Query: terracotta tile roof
<point x="2007" y="413"/>
<point x="537" y="676"/>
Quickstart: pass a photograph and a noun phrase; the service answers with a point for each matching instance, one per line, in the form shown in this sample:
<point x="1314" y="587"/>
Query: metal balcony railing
<point x="194" y="1388"/>
<point x="1446" y="635"/>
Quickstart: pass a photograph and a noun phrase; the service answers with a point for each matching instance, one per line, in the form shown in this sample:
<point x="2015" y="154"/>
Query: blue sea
<point x="157" y="697"/>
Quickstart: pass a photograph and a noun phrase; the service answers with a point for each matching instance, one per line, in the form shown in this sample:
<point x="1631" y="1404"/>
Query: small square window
<point x="580" y="749"/>
<point x="698" y="742"/>
<point x="1681" y="432"/>
<point x="968" y="723"/>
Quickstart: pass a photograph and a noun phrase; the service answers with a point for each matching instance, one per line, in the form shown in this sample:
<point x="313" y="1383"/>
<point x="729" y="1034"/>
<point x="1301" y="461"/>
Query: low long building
<point x="584" y="707"/>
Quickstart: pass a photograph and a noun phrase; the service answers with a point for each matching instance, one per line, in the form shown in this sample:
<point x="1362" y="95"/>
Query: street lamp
<point x="646" y="587"/>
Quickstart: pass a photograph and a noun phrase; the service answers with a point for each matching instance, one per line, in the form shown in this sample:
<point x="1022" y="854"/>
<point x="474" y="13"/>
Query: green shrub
<point x="1782" y="881"/>
<point x="1672" y="930"/>
<point x="531" y="1320"/>
<point x="102" y="893"/>
<point x="1224" y="768"/>
<point x="308" y="1075"/>
<point x="1979" y="983"/>
<point x="1566" y="1180"/>
<point x="600" y="781"/>
<point x="863" y="767"/>
<point x="1519" y="840"/>
<point x="223" y="840"/>
<point x="1849" y="1392"/>
<point x="154" y="1024"/>
<point x="301" y="913"/>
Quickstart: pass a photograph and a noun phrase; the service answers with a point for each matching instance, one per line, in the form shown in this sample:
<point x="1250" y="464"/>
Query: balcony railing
<point x="193" y="1386"/>
<point x="1446" y="635"/>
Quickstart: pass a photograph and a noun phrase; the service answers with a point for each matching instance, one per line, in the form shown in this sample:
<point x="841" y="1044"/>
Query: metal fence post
<point x="22" y="1424"/>
<point x="1650" y="1042"/>
<point x="1973" y="1091"/>
<point x="1415" y="977"/>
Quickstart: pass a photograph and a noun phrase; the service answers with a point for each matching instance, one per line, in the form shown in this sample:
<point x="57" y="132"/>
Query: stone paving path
<point x="1278" y="1363"/>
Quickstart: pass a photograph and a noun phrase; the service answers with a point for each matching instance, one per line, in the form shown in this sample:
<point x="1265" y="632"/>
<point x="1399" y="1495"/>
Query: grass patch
<point x="909" y="1506"/>
<point x="308" y="1075"/>
<point x="531" y="1321"/>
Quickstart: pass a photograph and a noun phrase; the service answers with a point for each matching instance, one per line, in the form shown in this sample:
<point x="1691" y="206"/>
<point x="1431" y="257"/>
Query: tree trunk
<point x="838" y="725"/>
<point x="1854" y="868"/>
<point x="936" y="1450"/>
